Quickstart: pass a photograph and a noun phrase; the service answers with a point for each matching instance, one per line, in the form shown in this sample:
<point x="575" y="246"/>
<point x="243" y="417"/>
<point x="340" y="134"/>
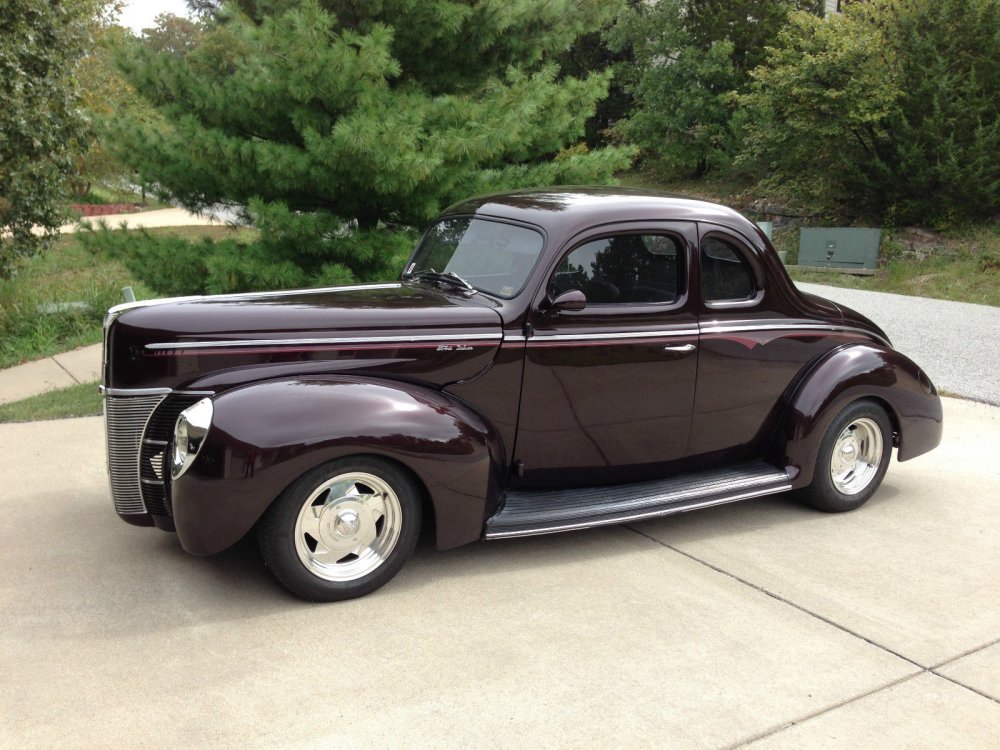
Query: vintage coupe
<point x="549" y="360"/>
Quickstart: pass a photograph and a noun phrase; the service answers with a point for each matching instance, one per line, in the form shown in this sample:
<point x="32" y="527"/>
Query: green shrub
<point x="171" y="265"/>
<point x="890" y="108"/>
<point x="175" y="266"/>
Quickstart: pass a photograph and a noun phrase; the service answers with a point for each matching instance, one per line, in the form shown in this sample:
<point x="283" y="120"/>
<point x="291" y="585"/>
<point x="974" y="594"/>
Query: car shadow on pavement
<point x="746" y="517"/>
<point x="234" y="584"/>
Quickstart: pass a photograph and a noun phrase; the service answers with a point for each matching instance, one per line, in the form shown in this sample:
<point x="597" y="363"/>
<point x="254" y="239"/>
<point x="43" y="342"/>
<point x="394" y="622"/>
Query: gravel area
<point x="956" y="343"/>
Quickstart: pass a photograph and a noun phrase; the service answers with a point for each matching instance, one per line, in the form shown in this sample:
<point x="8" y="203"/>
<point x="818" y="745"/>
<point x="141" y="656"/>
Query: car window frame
<point x="745" y="251"/>
<point x="624" y="308"/>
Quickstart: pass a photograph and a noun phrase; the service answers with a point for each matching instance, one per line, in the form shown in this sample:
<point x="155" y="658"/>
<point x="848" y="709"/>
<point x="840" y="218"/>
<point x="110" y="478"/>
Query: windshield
<point x="492" y="256"/>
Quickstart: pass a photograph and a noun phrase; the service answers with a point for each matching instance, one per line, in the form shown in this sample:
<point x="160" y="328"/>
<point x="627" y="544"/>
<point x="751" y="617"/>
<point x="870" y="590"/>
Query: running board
<point x="529" y="513"/>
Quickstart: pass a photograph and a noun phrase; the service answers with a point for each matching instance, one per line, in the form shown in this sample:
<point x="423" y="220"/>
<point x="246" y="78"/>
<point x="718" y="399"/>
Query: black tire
<point x="836" y="491"/>
<point x="312" y="522"/>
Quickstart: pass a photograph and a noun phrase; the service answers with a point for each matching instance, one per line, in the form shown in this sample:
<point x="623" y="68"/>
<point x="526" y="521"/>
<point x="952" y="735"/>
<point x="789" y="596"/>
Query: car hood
<point x="400" y="330"/>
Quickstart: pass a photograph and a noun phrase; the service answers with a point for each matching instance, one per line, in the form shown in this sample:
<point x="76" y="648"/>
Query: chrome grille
<point x="126" y="418"/>
<point x="154" y="465"/>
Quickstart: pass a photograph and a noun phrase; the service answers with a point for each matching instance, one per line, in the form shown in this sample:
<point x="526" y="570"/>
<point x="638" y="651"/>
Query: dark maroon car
<point x="549" y="360"/>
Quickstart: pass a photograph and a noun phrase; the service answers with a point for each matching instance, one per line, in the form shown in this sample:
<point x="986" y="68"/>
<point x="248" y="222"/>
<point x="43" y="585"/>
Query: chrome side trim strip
<point x="741" y="327"/>
<point x="638" y="516"/>
<point x="249" y="295"/>
<point x="320" y="342"/>
<point x="609" y="336"/>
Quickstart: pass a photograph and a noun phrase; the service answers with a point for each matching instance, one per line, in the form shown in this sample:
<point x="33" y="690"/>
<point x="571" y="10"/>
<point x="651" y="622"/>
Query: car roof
<point x="575" y="208"/>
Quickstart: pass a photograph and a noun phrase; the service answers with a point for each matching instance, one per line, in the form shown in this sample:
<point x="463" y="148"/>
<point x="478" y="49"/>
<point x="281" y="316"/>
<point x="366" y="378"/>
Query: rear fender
<point x="847" y="374"/>
<point x="266" y="435"/>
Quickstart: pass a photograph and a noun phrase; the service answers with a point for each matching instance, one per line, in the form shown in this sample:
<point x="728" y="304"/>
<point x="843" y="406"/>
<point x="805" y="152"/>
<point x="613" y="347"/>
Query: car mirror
<point x="571" y="300"/>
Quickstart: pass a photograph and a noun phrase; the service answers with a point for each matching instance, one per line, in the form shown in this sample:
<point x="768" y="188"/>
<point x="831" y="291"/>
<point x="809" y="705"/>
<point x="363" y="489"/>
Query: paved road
<point x="761" y="623"/>
<point x="956" y="343"/>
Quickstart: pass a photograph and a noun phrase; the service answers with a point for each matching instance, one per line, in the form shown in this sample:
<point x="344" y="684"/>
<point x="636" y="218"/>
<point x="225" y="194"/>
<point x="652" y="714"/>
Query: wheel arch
<point x="847" y="374"/>
<point x="266" y="435"/>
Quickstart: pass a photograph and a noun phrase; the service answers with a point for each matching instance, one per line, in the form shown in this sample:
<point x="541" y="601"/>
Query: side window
<point x="622" y="269"/>
<point x="725" y="274"/>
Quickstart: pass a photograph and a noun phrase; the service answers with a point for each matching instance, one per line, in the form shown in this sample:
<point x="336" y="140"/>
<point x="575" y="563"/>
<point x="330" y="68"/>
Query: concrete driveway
<point x="760" y="623"/>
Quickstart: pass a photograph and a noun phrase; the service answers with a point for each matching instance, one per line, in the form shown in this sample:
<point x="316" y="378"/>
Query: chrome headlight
<point x="189" y="434"/>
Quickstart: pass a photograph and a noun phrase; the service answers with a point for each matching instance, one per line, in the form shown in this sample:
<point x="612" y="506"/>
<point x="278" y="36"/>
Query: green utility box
<point x="847" y="247"/>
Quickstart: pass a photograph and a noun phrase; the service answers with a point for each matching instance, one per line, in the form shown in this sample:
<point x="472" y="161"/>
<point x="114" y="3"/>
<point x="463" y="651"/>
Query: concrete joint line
<point x="922" y="669"/>
<point x="782" y="599"/>
<point x="934" y="670"/>
<point x="963" y="685"/>
<point x="815" y="714"/>
<point x="65" y="370"/>
<point x="962" y="655"/>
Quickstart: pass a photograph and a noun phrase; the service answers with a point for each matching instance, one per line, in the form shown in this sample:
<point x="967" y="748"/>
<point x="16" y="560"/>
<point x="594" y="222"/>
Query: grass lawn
<point x="970" y="272"/>
<point x="57" y="300"/>
<point x="75" y="401"/>
<point x="959" y="280"/>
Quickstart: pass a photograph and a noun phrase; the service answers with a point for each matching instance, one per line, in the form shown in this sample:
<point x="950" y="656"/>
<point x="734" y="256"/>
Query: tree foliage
<point x="105" y="95"/>
<point x="591" y="52"/>
<point x="891" y="109"/>
<point x="40" y="42"/>
<point x="816" y="114"/>
<point x="690" y="57"/>
<point x="333" y="121"/>
<point x="945" y="159"/>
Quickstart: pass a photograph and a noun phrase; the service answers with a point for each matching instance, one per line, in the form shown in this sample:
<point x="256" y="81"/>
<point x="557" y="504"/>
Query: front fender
<point x="265" y="435"/>
<point x="844" y="375"/>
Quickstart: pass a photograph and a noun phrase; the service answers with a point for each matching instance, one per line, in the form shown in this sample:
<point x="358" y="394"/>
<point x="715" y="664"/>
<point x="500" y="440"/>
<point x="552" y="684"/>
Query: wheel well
<point x="429" y="525"/>
<point x="426" y="506"/>
<point x="893" y="417"/>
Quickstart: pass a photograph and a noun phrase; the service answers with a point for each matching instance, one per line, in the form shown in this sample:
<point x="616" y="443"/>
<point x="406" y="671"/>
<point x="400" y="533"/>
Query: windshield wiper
<point x="448" y="277"/>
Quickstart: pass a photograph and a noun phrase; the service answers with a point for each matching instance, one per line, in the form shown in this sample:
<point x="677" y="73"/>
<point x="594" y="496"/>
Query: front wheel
<point x="341" y="530"/>
<point x="852" y="460"/>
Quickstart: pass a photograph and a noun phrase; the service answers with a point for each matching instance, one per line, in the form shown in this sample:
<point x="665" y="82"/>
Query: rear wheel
<point x="341" y="530"/>
<point x="852" y="460"/>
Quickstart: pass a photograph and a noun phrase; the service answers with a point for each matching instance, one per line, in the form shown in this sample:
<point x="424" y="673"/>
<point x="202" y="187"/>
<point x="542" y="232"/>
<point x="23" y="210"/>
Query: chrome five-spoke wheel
<point x="852" y="460"/>
<point x="343" y="529"/>
<point x="857" y="455"/>
<point x="348" y="526"/>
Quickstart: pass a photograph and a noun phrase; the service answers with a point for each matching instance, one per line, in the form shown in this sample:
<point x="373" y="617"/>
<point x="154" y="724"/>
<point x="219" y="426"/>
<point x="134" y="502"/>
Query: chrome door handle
<point x="681" y="349"/>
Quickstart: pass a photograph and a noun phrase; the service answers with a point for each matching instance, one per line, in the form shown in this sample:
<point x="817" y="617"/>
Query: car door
<point x="607" y="390"/>
<point x="753" y="346"/>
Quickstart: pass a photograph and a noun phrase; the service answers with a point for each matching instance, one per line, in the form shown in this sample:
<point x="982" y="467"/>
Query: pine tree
<point x="335" y="121"/>
<point x="945" y="155"/>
